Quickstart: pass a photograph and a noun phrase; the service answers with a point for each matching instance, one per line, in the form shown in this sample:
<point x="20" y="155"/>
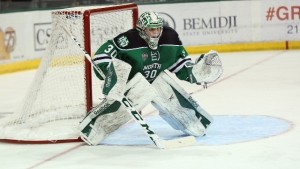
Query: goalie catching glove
<point x="208" y="68"/>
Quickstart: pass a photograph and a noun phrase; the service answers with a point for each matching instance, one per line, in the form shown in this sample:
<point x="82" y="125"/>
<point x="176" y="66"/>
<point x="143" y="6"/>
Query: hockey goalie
<point x="135" y="66"/>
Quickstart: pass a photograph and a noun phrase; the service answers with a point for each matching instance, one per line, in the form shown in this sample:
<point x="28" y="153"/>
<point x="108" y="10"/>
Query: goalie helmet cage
<point x="63" y="89"/>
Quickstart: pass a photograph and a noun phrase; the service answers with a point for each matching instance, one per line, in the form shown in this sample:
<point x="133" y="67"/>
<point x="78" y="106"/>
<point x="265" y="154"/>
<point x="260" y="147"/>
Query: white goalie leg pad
<point x="178" y="108"/>
<point x="102" y="120"/>
<point x="110" y="115"/>
<point x="208" y="68"/>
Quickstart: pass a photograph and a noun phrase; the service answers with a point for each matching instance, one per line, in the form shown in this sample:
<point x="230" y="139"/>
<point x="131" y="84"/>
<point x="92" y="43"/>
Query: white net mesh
<point x="56" y="101"/>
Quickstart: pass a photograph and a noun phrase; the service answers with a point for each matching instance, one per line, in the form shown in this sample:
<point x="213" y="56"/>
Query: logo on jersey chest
<point x="145" y="56"/>
<point x="155" y="56"/>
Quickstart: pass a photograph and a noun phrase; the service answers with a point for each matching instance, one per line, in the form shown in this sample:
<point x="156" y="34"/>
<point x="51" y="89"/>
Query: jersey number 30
<point x="150" y="74"/>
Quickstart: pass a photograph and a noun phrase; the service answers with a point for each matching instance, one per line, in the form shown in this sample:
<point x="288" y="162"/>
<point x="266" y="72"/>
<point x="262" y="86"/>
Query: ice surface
<point x="255" y="105"/>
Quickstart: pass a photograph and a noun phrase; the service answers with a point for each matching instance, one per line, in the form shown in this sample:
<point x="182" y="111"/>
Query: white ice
<point x="254" y="84"/>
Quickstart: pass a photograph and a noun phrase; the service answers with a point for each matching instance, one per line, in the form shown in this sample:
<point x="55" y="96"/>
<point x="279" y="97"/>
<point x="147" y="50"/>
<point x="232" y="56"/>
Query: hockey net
<point x="64" y="88"/>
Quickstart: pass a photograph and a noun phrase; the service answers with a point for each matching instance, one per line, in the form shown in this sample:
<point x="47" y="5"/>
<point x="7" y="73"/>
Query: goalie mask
<point x="150" y="26"/>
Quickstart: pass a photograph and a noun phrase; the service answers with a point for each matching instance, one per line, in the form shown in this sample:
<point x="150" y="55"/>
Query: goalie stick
<point x="160" y="143"/>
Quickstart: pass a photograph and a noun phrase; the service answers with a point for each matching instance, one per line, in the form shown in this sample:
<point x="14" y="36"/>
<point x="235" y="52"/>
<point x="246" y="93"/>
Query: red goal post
<point x="64" y="88"/>
<point x="86" y="15"/>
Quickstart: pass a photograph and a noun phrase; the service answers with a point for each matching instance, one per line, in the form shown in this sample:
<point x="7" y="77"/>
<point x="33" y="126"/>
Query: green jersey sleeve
<point x="103" y="57"/>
